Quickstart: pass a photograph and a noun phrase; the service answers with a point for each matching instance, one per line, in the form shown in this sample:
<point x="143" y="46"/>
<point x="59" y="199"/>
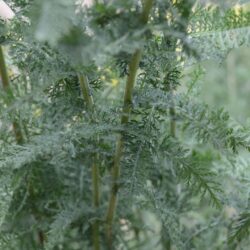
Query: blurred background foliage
<point x="224" y="84"/>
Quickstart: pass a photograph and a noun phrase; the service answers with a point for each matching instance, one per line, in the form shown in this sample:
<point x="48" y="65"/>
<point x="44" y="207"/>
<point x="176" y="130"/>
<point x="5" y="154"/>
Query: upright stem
<point x="6" y="85"/>
<point x="85" y="89"/>
<point x="172" y="115"/>
<point x="133" y="66"/>
<point x="127" y="102"/>
<point x="3" y="71"/>
<point x="16" y="126"/>
<point x="127" y="105"/>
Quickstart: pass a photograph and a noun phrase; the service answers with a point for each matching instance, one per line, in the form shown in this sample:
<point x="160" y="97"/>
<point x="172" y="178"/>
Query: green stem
<point x="127" y="105"/>
<point x="3" y="71"/>
<point x="96" y="198"/>
<point x="85" y="89"/>
<point x="172" y="115"/>
<point x="147" y="6"/>
<point x="16" y="126"/>
<point x="114" y="189"/>
<point x="6" y="85"/>
<point x="127" y="102"/>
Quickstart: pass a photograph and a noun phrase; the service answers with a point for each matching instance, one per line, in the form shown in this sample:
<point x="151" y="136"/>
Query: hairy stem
<point x="172" y="115"/>
<point x="16" y="126"/>
<point x="3" y="71"/>
<point x="6" y="85"/>
<point x="127" y="105"/>
<point x="85" y="89"/>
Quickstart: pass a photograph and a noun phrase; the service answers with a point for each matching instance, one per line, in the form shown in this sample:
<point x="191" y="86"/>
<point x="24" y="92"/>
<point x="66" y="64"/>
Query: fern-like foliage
<point x="68" y="66"/>
<point x="240" y="227"/>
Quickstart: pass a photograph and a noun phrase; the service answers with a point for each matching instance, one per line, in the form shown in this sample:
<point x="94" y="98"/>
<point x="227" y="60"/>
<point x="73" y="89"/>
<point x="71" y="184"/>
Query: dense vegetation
<point x="106" y="141"/>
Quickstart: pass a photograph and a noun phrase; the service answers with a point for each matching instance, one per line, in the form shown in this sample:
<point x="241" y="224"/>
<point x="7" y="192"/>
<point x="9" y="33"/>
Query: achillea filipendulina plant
<point x="110" y="150"/>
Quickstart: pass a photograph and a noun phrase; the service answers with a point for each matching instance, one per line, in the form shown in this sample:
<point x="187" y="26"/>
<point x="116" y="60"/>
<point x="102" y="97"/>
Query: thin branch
<point x="85" y="89"/>
<point x="127" y="105"/>
<point x="6" y="14"/>
<point x="6" y="85"/>
<point x="172" y="113"/>
<point x="3" y="71"/>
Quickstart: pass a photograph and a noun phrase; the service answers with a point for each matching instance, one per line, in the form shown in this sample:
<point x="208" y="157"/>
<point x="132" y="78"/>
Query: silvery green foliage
<point x="215" y="32"/>
<point x="45" y="184"/>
